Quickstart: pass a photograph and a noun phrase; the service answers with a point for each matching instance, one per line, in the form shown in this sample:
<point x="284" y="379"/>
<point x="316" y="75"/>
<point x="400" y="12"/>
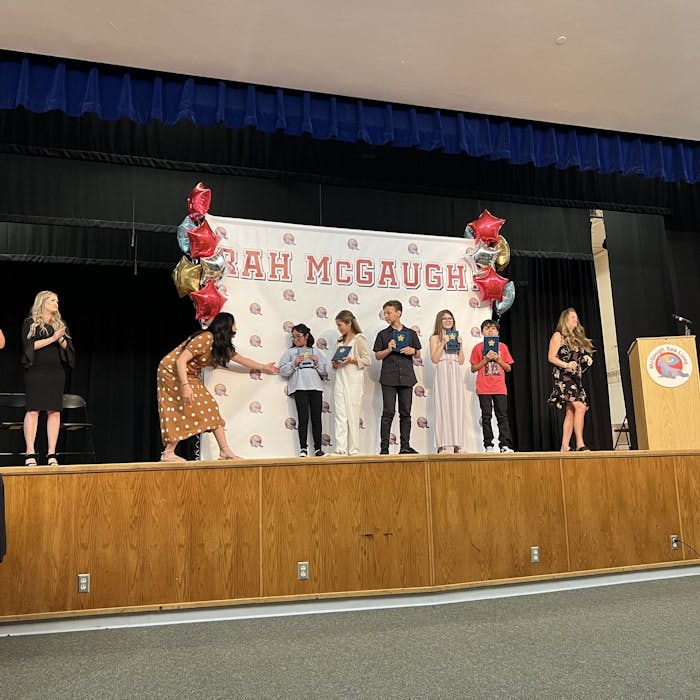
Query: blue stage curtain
<point x="41" y="84"/>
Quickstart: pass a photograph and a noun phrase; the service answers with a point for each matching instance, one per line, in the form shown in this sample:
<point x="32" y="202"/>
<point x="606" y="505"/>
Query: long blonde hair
<point x="349" y="317"/>
<point x="575" y="339"/>
<point x="37" y="315"/>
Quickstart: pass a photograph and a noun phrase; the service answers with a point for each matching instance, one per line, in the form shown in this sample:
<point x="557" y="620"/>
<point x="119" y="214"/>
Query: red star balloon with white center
<point x="486" y="228"/>
<point x="203" y="241"/>
<point x="490" y="285"/>
<point x="199" y="200"/>
<point x="207" y="301"/>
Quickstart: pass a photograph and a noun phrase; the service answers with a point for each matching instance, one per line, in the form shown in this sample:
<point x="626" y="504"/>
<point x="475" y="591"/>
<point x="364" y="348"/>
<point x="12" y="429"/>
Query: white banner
<point x="279" y="275"/>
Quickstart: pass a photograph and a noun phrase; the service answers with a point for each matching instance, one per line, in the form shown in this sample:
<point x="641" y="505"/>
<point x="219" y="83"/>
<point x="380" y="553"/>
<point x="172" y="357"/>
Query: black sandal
<point x="52" y="460"/>
<point x="583" y="448"/>
<point x="30" y="460"/>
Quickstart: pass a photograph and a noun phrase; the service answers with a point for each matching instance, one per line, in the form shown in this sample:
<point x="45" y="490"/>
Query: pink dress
<point x="450" y="408"/>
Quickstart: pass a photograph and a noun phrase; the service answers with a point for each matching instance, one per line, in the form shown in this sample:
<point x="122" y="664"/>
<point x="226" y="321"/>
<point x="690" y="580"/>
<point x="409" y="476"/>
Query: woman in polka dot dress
<point x="185" y="406"/>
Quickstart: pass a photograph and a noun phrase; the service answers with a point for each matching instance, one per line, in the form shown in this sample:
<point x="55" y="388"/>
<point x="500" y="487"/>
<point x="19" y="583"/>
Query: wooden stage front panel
<point x="218" y="533"/>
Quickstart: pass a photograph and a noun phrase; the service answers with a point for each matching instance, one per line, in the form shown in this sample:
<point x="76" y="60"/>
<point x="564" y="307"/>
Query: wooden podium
<point x="666" y="392"/>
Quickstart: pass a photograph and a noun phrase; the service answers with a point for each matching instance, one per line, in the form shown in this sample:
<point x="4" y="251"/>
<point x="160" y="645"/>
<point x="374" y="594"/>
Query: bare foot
<point x="565" y="449"/>
<point x="171" y="457"/>
<point x="228" y="454"/>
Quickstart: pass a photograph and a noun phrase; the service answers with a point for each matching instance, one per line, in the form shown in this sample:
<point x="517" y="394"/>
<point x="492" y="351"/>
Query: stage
<point x="155" y="536"/>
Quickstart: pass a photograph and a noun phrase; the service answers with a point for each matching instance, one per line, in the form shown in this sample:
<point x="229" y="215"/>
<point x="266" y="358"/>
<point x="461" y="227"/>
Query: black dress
<point x="568" y="385"/>
<point x="44" y="369"/>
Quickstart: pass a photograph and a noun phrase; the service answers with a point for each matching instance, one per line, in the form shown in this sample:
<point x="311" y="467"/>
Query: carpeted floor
<point x="636" y="640"/>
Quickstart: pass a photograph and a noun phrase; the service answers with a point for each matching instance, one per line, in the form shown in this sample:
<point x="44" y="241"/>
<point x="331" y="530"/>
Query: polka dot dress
<point x="177" y="421"/>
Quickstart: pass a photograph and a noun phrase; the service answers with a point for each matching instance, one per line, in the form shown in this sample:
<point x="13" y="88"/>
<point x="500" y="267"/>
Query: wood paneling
<point x="487" y="514"/>
<point x="665" y="415"/>
<point x="213" y="533"/>
<point x="688" y="483"/>
<point x="360" y="527"/>
<point x="620" y="512"/>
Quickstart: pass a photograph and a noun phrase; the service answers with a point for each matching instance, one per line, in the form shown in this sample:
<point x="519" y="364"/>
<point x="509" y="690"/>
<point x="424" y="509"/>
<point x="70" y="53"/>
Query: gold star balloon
<point x="187" y="276"/>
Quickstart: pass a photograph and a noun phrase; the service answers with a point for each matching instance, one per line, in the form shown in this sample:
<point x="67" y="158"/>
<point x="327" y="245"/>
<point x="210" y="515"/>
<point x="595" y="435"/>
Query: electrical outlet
<point x="83" y="583"/>
<point x="675" y="541"/>
<point x="535" y="555"/>
<point x="303" y="570"/>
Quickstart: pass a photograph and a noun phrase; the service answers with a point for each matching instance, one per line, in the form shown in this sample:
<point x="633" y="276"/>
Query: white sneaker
<point x="303" y="452"/>
<point x="506" y="449"/>
<point x="490" y="448"/>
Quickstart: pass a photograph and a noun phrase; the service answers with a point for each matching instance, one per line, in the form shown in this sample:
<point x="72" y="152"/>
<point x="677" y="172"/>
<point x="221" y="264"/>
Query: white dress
<point x="347" y="398"/>
<point x="450" y="407"/>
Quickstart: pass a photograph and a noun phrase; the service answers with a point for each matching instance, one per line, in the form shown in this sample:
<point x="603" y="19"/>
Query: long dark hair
<point x="221" y="327"/>
<point x="304" y="330"/>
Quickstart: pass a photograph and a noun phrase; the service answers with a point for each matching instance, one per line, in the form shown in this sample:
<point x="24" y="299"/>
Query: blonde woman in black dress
<point x="570" y="354"/>
<point x="47" y="350"/>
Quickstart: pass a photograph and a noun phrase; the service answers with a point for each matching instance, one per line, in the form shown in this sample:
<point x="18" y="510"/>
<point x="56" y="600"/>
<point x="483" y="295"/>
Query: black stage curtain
<point x="641" y="287"/>
<point x="122" y="325"/>
<point x="544" y="288"/>
<point x="112" y="194"/>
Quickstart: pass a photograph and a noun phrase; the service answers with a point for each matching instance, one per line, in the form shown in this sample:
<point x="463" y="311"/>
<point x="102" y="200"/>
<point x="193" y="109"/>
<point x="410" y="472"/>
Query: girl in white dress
<point x="449" y="388"/>
<point x="349" y="383"/>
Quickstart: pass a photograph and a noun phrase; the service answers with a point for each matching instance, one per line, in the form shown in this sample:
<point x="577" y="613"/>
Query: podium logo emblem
<point x="669" y="365"/>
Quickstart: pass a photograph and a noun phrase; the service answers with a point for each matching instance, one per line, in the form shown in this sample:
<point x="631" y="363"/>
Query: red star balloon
<point x="203" y="242"/>
<point x="199" y="200"/>
<point x="490" y="285"/>
<point x="486" y="227"/>
<point x="207" y="301"/>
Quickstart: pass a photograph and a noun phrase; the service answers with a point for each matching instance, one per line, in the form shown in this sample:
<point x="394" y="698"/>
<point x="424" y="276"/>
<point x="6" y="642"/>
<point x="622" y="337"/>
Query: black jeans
<point x="309" y="402"/>
<point x="389" y="395"/>
<point x="500" y="406"/>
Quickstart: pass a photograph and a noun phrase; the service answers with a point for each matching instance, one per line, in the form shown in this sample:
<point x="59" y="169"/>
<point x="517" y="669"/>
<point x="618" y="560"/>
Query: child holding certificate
<point x="396" y="346"/>
<point x="304" y="369"/>
<point x="350" y="360"/>
<point x="491" y="359"/>
<point x="447" y="355"/>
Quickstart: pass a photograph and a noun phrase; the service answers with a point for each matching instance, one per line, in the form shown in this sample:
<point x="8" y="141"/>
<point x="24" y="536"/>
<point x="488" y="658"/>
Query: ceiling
<point x="623" y="65"/>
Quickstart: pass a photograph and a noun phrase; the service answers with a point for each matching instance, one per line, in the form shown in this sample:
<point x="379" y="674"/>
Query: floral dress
<point x="568" y="385"/>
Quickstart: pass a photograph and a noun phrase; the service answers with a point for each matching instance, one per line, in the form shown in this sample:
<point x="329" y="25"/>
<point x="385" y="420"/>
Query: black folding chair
<point x="11" y="423"/>
<point x="75" y="421"/>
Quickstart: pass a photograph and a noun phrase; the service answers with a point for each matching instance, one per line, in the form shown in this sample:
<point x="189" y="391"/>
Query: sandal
<point x="52" y="460"/>
<point x="30" y="460"/>
<point x="171" y="457"/>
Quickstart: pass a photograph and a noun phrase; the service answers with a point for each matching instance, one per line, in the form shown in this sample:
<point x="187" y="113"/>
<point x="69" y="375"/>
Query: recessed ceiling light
<point x="561" y="39"/>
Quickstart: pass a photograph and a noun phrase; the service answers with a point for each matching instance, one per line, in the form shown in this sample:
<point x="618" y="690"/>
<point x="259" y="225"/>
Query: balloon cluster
<point x="490" y="255"/>
<point x="201" y="265"/>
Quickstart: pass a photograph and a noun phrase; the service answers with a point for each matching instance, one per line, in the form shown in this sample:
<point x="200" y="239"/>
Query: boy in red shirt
<point x="491" y="389"/>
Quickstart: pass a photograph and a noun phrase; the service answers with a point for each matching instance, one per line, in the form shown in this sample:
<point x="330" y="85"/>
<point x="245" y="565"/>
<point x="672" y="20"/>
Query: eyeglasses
<point x="298" y="336"/>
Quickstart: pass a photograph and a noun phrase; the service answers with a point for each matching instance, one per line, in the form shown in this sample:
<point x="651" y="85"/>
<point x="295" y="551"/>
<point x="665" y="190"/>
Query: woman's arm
<point x="362" y="357"/>
<point x="553" y="357"/>
<point x="181" y="369"/>
<point x="2" y="340"/>
<point x="249" y="363"/>
<point x="286" y="364"/>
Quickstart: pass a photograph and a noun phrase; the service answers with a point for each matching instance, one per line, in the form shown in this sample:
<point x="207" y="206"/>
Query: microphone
<point x="680" y="319"/>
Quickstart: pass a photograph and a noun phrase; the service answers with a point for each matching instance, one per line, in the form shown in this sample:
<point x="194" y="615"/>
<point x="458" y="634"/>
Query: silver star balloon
<point x="483" y="255"/>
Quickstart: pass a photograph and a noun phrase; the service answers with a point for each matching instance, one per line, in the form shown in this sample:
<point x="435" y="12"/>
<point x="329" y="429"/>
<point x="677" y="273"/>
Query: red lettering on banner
<point x="318" y="270"/>
<point x="230" y="258"/>
<point x="433" y="276"/>
<point x="456" y="277"/>
<point x="387" y="274"/>
<point x="280" y="270"/>
<point x="364" y="272"/>
<point x="411" y="274"/>
<point x="343" y="272"/>
<point x="252" y="265"/>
